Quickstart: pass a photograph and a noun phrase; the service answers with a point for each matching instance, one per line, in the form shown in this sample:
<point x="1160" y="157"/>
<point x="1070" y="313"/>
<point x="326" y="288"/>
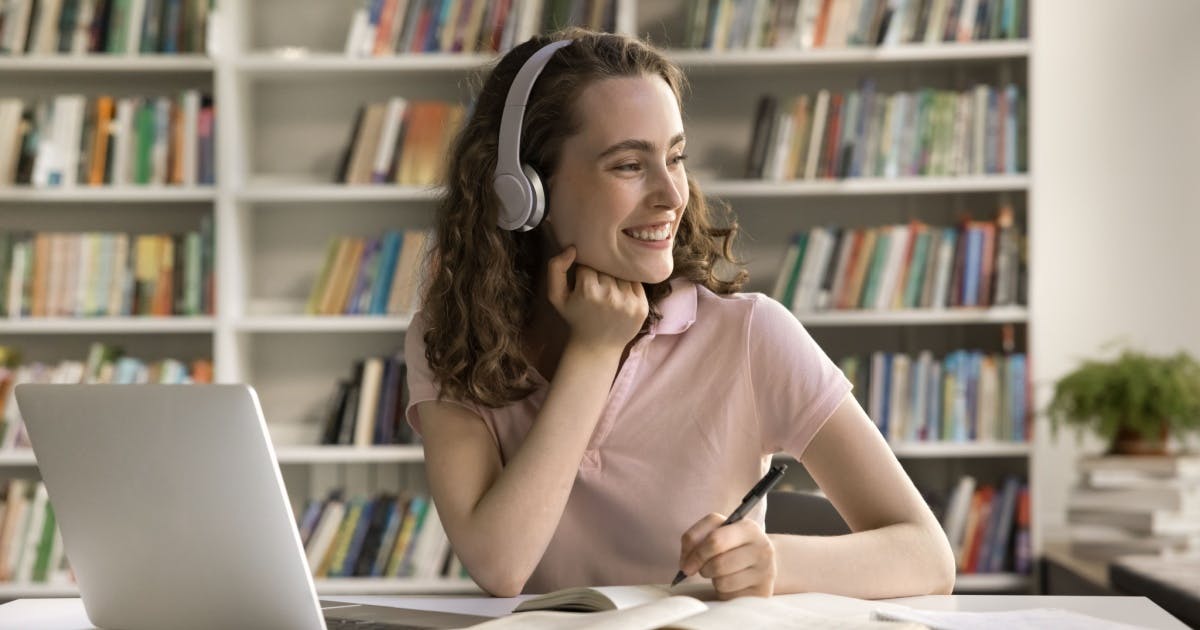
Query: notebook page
<point x="761" y="612"/>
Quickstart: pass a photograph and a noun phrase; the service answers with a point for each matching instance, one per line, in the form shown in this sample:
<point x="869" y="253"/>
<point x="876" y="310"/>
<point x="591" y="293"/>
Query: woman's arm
<point x="500" y="518"/>
<point x="897" y="549"/>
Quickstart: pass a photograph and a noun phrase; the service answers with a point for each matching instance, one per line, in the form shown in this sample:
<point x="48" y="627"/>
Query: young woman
<point x="594" y="398"/>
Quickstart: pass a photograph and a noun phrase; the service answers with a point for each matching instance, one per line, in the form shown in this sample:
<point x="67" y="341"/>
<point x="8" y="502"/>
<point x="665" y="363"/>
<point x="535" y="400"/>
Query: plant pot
<point x="1130" y="442"/>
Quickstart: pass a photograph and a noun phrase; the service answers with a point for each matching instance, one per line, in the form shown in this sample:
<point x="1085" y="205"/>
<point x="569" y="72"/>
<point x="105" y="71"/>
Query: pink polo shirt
<point x="718" y="385"/>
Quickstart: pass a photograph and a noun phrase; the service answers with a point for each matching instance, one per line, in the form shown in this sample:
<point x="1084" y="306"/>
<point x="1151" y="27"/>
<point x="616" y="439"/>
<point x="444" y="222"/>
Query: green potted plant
<point x="1134" y="401"/>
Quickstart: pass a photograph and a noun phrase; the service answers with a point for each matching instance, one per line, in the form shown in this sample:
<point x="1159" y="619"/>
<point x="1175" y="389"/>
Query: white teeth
<point x="650" y="235"/>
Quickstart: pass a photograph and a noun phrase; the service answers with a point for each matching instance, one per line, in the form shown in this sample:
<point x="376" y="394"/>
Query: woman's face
<point x="620" y="188"/>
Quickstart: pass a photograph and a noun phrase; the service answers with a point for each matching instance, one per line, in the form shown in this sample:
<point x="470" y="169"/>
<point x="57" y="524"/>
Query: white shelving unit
<point x="285" y="101"/>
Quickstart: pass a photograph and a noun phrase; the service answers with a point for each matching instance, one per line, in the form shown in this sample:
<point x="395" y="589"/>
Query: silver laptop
<point x="174" y="514"/>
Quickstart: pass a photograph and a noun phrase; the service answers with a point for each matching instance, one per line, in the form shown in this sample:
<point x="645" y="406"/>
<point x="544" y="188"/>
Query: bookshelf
<point x="286" y="96"/>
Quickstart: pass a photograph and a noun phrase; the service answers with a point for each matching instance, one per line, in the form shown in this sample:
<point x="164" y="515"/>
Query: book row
<point x="77" y="27"/>
<point x="383" y="536"/>
<point x="100" y="274"/>
<point x="370" y="275"/>
<point x="868" y="133"/>
<point x="74" y="140"/>
<point x="368" y="408"/>
<point x="400" y="142"/>
<point x="988" y="526"/>
<point x="904" y="266"/>
<point x="31" y="546"/>
<point x="966" y="396"/>
<point x="103" y="364"/>
<point x="808" y="24"/>
<point x="389" y="27"/>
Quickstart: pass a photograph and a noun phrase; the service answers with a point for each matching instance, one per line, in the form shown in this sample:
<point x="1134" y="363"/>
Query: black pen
<point x="759" y="491"/>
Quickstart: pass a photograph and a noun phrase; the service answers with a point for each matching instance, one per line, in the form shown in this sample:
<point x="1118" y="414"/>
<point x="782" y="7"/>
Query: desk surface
<point x="68" y="613"/>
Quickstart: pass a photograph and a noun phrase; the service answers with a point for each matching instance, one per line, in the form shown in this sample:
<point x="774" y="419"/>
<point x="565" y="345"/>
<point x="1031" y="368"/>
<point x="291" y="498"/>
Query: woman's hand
<point x="602" y="311"/>
<point x="739" y="558"/>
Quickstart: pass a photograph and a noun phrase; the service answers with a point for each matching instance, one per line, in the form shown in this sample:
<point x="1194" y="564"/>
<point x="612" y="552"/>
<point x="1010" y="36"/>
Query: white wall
<point x="1115" y="204"/>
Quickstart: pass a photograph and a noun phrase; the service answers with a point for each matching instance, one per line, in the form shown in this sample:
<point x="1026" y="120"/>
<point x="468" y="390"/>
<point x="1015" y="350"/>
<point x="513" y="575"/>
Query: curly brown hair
<point x="481" y="279"/>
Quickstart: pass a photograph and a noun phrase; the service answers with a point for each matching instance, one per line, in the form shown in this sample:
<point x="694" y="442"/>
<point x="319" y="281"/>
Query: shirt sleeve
<point x="796" y="385"/>
<point x="421" y="385"/>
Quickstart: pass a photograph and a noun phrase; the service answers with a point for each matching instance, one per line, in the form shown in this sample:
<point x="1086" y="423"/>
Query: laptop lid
<point x="172" y="508"/>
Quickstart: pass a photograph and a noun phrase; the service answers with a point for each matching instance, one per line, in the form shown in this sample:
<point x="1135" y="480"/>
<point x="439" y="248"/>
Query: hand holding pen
<point x="740" y="560"/>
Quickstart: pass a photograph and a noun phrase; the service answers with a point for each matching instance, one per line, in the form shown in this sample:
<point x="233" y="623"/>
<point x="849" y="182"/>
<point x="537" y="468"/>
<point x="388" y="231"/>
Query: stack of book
<point x="869" y="133"/>
<point x="904" y="266"/>
<point x="377" y="275"/>
<point x="400" y="141"/>
<point x="43" y="27"/>
<point x="988" y="526"/>
<point x="807" y="24"/>
<point x="387" y="27"/>
<point x="31" y="546"/>
<point x="94" y="274"/>
<point x="967" y="396"/>
<point x="1135" y="505"/>
<point x="369" y="408"/>
<point x="72" y="139"/>
<point x="384" y="536"/>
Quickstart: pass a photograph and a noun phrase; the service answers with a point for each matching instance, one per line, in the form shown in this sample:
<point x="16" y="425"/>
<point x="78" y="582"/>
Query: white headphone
<point x="522" y="200"/>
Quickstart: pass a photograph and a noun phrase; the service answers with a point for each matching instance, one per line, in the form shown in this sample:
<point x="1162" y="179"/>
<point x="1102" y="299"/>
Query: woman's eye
<point x="680" y="158"/>
<point x="634" y="166"/>
<point x="629" y="167"/>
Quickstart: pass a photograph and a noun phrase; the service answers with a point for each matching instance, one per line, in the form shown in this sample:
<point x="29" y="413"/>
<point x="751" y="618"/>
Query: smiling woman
<point x="591" y="394"/>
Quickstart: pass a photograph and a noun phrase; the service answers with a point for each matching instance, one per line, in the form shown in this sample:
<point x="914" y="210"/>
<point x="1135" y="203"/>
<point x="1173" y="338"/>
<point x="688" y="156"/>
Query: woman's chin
<point x="655" y="276"/>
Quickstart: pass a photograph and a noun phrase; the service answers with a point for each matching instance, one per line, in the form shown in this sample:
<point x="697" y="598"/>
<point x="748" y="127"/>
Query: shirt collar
<point x="678" y="309"/>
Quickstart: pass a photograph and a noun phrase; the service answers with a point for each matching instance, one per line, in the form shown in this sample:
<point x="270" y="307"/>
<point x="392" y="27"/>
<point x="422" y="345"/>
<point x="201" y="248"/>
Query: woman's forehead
<point x="620" y="108"/>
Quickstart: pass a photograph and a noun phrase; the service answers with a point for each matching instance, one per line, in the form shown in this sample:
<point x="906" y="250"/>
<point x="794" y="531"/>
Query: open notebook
<point x="689" y="606"/>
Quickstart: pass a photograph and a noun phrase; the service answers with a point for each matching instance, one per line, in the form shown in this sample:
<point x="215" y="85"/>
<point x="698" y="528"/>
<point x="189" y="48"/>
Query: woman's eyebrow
<point x="637" y="145"/>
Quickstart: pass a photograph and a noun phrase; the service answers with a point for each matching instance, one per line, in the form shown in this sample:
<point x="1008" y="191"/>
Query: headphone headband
<point x="517" y="185"/>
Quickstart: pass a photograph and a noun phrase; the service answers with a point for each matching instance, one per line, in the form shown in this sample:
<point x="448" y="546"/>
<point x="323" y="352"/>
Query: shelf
<point x="349" y="454"/>
<point x="9" y="590"/>
<point x="111" y="64"/>
<point x="299" y="63"/>
<point x="917" y="317"/>
<point x="286" y="455"/>
<point x="284" y="189"/>
<point x="306" y="190"/>
<point x="933" y="450"/>
<point x="106" y="325"/>
<point x="735" y="60"/>
<point x="395" y="586"/>
<point x="109" y="194"/>
<point x="865" y="186"/>
<point x="17" y="458"/>
<point x="976" y="582"/>
<point x="322" y="324"/>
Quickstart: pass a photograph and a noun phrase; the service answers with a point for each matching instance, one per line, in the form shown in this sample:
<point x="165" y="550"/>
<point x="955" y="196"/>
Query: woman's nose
<point x="668" y="190"/>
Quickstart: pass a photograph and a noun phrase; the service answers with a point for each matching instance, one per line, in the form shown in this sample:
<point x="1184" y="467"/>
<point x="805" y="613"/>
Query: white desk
<point x="68" y="614"/>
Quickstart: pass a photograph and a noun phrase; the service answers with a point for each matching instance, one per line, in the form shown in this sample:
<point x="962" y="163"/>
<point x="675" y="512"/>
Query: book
<point x="1153" y="522"/>
<point x="1158" y="466"/>
<point x="691" y="605"/>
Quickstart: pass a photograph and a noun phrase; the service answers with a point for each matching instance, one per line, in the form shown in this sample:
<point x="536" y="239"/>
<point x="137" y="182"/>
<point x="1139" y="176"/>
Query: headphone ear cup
<point x="538" y="198"/>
